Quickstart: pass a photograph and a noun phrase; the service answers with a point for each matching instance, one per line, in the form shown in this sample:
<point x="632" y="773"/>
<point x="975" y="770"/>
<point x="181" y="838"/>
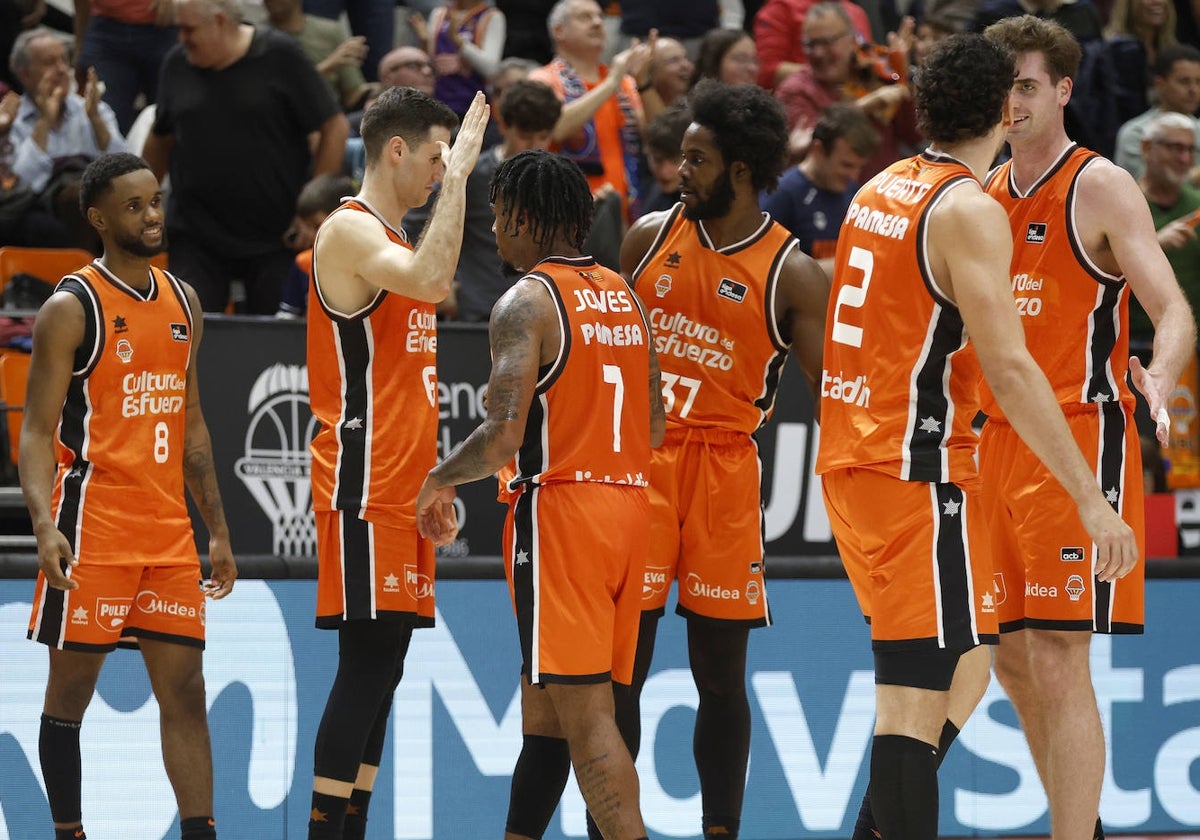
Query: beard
<point x="717" y="204"/>
<point x="134" y="244"/>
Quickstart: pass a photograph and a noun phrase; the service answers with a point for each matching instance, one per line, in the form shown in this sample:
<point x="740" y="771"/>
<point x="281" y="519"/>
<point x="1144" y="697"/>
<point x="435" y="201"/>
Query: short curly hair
<point x="961" y="90"/>
<point x="747" y="125"/>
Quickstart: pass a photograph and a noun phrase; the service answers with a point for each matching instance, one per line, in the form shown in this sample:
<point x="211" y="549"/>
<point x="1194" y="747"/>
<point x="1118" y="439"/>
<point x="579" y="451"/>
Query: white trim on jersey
<point x="369" y="420"/>
<point x="939" y="610"/>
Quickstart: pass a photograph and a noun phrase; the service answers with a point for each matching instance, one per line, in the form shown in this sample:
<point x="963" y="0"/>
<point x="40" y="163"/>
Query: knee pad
<point x="930" y="669"/>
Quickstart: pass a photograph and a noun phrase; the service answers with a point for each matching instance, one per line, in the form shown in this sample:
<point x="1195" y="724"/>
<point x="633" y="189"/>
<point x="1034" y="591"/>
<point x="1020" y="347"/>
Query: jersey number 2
<point x="853" y="296"/>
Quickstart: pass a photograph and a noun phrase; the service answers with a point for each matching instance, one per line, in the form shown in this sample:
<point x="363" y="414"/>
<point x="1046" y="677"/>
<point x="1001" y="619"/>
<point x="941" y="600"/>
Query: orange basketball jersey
<point x="590" y="417"/>
<point x="372" y="383"/>
<point x="899" y="386"/>
<point x="1076" y="316"/>
<point x="120" y="440"/>
<point x="713" y="315"/>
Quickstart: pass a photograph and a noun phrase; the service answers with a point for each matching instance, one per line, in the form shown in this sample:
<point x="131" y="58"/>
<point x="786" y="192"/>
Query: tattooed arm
<point x="524" y="334"/>
<point x="199" y="472"/>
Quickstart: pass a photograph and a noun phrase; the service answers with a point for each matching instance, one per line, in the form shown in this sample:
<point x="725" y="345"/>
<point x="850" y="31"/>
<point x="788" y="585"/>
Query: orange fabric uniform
<point x="372" y="378"/>
<point x="1076" y="320"/>
<point x="578" y="520"/>
<point x="898" y="393"/>
<point x="120" y="445"/>
<point x="713" y="315"/>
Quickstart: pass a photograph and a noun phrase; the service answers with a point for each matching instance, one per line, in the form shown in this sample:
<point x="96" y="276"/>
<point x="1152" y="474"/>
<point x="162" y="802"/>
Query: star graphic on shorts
<point x="1111" y="495"/>
<point x="75" y="472"/>
<point x="391" y="582"/>
<point x="318" y="816"/>
<point x="950" y="508"/>
<point x="929" y="424"/>
<point x="351" y="809"/>
<point x="354" y="424"/>
<point x="522" y="558"/>
<point x="1101" y="397"/>
<point x="988" y="601"/>
<point x="80" y="614"/>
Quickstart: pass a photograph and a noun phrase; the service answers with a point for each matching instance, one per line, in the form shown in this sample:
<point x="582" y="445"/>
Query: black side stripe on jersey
<point x="354" y="357"/>
<point x="548" y="374"/>
<point x="774" y="372"/>
<point x="176" y="286"/>
<point x="659" y="239"/>
<point x="52" y="617"/>
<point x="72" y="431"/>
<point x="1102" y="340"/>
<point x="932" y="414"/>
<point x="89" y="350"/>
<point x="1111" y="469"/>
<point x="951" y="558"/>
<point x="358" y="566"/>
<point x="524" y="563"/>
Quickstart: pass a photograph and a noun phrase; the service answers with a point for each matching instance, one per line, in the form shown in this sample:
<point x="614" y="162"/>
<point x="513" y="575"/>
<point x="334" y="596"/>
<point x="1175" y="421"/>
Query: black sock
<point x="720" y="828"/>
<point x="904" y="789"/>
<point x="864" y="826"/>
<point x="1098" y="833"/>
<point x="327" y="817"/>
<point x="356" y="815"/>
<point x="537" y="784"/>
<point x="69" y="834"/>
<point x="198" y="828"/>
<point x="58" y="748"/>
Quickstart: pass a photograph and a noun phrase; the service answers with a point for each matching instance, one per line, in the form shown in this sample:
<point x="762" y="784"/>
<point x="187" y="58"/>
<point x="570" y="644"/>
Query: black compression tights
<point x="370" y="664"/>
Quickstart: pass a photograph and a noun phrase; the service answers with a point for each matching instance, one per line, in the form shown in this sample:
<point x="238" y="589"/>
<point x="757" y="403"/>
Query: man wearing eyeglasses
<point x="1177" y="84"/>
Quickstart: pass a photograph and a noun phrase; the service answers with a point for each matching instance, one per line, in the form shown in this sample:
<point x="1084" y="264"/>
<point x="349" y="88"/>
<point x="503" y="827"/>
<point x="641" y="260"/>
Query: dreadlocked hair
<point x="547" y="193"/>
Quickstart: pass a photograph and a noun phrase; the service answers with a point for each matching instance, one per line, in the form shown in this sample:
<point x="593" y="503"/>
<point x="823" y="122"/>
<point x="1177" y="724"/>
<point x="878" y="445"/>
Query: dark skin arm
<point x="658" y="411"/>
<point x="800" y="303"/>
<point x="57" y="333"/>
<point x="524" y="335"/>
<point x="200" y="473"/>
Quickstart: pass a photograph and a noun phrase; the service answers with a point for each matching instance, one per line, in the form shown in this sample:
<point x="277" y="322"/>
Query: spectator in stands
<point x="1169" y="154"/>
<point x="56" y="133"/>
<point x="338" y="58"/>
<point x="686" y="21"/>
<point x="779" y="32"/>
<point x="407" y="67"/>
<point x="931" y="28"/>
<point x="1079" y="17"/>
<point x="1177" y="83"/>
<point x="371" y="19"/>
<point x="466" y="40"/>
<point x="236" y="108"/>
<point x="836" y="73"/>
<point x="670" y="70"/>
<point x="528" y="36"/>
<point x="126" y="41"/>
<point x="664" y="138"/>
<point x="727" y="55"/>
<point x="1137" y="31"/>
<point x="601" y="122"/>
<point x="320" y="197"/>
<point x="526" y="114"/>
<point x="812" y="198"/>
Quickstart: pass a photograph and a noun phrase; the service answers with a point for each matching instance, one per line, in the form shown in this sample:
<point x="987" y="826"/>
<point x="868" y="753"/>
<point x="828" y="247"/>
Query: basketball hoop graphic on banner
<point x="276" y="466"/>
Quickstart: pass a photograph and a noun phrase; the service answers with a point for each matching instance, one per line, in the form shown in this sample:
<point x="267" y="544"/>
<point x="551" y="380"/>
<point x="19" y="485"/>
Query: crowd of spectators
<point x="249" y="110"/>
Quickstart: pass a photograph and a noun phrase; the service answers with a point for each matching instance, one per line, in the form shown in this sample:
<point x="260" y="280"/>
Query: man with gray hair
<point x="236" y="106"/>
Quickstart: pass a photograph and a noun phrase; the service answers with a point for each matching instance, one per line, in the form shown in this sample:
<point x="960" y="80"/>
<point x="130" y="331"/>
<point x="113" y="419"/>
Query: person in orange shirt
<point x="1084" y="241"/>
<point x="574" y="394"/>
<point x="113" y="428"/>
<point x="921" y="265"/>
<point x="372" y="373"/>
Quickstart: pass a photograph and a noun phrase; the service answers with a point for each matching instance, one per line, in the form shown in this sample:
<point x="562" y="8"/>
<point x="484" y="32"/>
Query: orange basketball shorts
<point x="369" y="570"/>
<point x="1043" y="555"/>
<point x="573" y="556"/>
<point x="917" y="558"/>
<point x="120" y="604"/>
<point x="706" y="528"/>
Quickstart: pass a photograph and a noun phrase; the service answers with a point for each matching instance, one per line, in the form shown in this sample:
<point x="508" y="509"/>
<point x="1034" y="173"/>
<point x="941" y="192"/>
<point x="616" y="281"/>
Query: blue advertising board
<point x="456" y="732"/>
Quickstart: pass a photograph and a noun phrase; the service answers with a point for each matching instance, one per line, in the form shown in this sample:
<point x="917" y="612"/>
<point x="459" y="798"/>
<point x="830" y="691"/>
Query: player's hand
<point x="460" y="158"/>
<point x="1176" y="234"/>
<point x="1116" y="544"/>
<point x="8" y="111"/>
<point x="1155" y="389"/>
<point x="437" y="521"/>
<point x="224" y="570"/>
<point x="53" y="551"/>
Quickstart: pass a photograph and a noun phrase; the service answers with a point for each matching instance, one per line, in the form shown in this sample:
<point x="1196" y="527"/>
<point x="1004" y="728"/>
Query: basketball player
<point x="574" y="393"/>
<point x="372" y="342"/>
<point x="1084" y="240"/>
<point x="922" y="263"/>
<point x="113" y="429"/>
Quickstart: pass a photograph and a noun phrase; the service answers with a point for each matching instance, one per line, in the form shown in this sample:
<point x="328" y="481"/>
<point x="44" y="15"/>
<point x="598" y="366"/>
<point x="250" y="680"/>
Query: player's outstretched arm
<point x="801" y="300"/>
<point x="1110" y="199"/>
<point x="199" y="470"/>
<point x="970" y="242"/>
<point x="57" y="333"/>
<point x="523" y="321"/>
